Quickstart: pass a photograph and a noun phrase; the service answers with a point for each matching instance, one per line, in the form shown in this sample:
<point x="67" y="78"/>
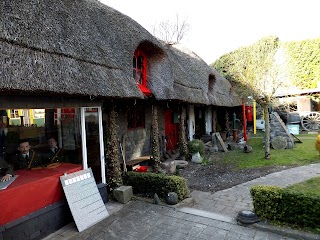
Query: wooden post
<point x="244" y="121"/>
<point x="218" y="136"/>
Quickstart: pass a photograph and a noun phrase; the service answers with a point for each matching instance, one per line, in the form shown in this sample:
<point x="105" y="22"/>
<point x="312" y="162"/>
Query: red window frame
<point x="135" y="118"/>
<point x="139" y="64"/>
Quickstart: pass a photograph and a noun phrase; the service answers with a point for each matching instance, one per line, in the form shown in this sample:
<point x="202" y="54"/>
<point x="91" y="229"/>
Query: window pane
<point x="140" y="62"/>
<point x="38" y="126"/>
<point x="93" y="145"/>
<point x="134" y="62"/>
<point x="134" y="74"/>
<point x="139" y="77"/>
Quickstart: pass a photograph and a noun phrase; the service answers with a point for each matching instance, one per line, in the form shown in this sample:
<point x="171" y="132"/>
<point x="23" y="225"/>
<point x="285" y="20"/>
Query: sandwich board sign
<point x="84" y="199"/>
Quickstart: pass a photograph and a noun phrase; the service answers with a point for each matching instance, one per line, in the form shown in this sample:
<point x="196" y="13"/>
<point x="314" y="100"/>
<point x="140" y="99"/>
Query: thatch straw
<point x="85" y="48"/>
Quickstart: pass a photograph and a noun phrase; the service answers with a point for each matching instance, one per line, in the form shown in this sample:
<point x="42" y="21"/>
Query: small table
<point x="33" y="190"/>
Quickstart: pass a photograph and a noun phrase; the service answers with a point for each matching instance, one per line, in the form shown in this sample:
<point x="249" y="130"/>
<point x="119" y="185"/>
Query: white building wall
<point x="208" y="120"/>
<point x="191" y="122"/>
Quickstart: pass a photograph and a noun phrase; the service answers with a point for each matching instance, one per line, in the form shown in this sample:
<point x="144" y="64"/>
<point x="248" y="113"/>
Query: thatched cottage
<point x="65" y="65"/>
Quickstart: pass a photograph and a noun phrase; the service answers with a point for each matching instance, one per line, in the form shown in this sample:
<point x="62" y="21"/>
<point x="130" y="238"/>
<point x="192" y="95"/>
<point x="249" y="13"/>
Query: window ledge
<point x="146" y="91"/>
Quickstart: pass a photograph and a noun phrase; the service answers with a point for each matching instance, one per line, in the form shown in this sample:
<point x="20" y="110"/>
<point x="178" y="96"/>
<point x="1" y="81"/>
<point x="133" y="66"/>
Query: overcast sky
<point x="218" y="27"/>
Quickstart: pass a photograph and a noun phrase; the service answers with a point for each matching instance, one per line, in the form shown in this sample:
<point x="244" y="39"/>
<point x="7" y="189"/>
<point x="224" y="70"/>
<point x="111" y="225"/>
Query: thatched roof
<point x="182" y="75"/>
<point x="73" y="47"/>
<point x="85" y="48"/>
<point x="221" y="92"/>
<point x="195" y="81"/>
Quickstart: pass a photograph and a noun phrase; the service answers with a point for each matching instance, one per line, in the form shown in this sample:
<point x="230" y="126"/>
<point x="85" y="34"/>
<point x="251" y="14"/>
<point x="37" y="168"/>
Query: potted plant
<point x="196" y="148"/>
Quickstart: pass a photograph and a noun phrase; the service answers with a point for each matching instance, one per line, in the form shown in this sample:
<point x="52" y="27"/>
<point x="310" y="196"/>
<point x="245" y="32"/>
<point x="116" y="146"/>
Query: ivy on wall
<point x="155" y="145"/>
<point x="183" y="148"/>
<point x="114" y="175"/>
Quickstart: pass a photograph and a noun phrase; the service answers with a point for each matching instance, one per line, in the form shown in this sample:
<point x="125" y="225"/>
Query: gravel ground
<point x="217" y="175"/>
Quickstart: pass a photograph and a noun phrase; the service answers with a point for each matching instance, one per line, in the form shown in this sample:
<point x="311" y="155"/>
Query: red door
<point x="171" y="130"/>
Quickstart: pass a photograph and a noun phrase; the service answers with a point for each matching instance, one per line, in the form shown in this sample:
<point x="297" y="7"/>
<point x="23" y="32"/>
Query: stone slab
<point x="123" y="194"/>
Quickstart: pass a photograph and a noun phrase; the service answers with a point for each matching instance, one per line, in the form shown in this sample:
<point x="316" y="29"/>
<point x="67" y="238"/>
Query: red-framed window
<point x="140" y="68"/>
<point x="139" y="64"/>
<point x="135" y="118"/>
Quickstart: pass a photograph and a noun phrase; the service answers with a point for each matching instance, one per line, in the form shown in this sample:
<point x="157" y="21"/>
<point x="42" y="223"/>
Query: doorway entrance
<point x="171" y="122"/>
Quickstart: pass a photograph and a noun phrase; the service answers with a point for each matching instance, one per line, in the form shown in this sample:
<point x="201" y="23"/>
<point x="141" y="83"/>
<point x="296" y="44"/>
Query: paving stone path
<point x="140" y="220"/>
<point x="212" y="216"/>
<point x="232" y="200"/>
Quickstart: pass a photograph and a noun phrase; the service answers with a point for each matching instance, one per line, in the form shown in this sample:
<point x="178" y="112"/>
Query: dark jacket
<point x="53" y="157"/>
<point x="5" y="168"/>
<point x="20" y="162"/>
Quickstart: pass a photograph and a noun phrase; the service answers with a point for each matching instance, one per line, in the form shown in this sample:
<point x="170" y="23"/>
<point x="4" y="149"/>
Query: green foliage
<point x="195" y="146"/>
<point x="114" y="178"/>
<point x="252" y="70"/>
<point x="183" y="148"/>
<point x="301" y="154"/>
<point x="155" y="145"/>
<point x="311" y="186"/>
<point x="304" y="62"/>
<point x="162" y="184"/>
<point x="206" y="161"/>
<point x="266" y="201"/>
<point x="286" y="205"/>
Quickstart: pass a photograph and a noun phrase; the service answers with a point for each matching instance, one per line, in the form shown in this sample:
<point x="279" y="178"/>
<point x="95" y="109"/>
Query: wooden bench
<point x="132" y="164"/>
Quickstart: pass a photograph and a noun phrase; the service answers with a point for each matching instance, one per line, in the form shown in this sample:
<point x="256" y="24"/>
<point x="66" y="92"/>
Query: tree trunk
<point x="183" y="148"/>
<point x="267" y="132"/>
<point x="114" y="175"/>
<point x="155" y="146"/>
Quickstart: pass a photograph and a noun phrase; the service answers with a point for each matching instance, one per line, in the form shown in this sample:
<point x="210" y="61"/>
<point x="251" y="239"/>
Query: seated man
<point x="54" y="154"/>
<point x="26" y="158"/>
<point x="6" y="170"/>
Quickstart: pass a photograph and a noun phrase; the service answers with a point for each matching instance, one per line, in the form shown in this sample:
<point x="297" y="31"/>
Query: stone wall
<point x="278" y="128"/>
<point x="138" y="140"/>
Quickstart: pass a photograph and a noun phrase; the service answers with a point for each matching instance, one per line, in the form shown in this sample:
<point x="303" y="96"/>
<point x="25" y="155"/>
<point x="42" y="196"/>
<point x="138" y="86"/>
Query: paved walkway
<point x="212" y="216"/>
<point x="140" y="220"/>
<point x="232" y="200"/>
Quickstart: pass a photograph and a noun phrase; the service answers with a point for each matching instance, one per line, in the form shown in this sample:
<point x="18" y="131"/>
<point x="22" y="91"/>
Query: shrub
<point x="195" y="146"/>
<point x="286" y="206"/>
<point x="151" y="183"/>
<point x="266" y="201"/>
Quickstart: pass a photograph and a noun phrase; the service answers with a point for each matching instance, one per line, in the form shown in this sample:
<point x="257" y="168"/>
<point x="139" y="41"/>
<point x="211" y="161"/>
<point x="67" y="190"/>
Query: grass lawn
<point x="311" y="186"/>
<point x="302" y="154"/>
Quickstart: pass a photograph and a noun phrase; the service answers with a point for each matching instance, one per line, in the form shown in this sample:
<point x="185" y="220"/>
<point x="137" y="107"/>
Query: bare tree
<point x="171" y="32"/>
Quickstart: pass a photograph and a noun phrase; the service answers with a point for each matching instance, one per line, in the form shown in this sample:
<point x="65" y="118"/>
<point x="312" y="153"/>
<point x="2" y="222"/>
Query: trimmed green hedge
<point x="287" y="206"/>
<point x="162" y="184"/>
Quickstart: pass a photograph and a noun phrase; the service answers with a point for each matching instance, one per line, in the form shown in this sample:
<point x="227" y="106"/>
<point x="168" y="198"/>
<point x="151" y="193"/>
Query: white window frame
<point x="84" y="144"/>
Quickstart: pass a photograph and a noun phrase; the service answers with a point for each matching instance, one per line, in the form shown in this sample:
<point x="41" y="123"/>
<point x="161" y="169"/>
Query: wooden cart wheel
<point x="311" y="122"/>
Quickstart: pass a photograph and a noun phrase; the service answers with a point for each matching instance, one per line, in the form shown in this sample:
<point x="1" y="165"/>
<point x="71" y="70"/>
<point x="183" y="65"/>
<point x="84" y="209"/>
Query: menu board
<point x="84" y="199"/>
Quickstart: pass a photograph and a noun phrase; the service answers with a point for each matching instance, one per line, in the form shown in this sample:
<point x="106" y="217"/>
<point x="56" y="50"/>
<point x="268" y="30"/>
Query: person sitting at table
<point x="6" y="170"/>
<point x="53" y="153"/>
<point x="26" y="158"/>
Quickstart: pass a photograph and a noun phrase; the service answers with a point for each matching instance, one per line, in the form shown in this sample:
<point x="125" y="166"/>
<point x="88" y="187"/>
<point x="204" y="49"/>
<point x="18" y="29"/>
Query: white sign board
<point x="84" y="199"/>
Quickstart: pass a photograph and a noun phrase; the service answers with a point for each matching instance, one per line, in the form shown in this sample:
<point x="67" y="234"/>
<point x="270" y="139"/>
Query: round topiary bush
<point x="195" y="146"/>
